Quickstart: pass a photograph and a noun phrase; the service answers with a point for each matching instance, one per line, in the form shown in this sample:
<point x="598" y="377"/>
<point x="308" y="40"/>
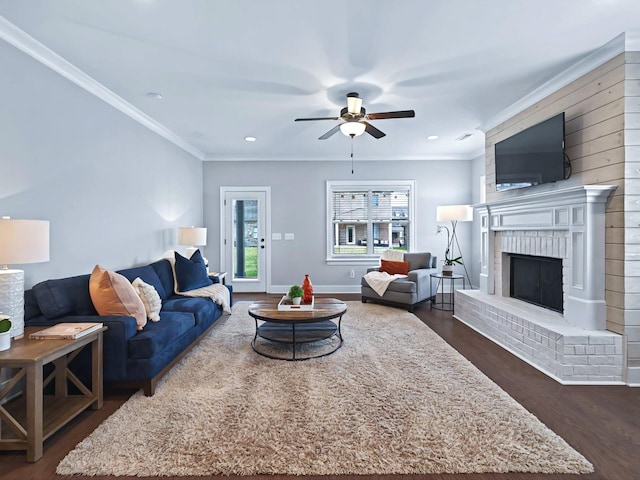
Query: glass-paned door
<point x="245" y="241"/>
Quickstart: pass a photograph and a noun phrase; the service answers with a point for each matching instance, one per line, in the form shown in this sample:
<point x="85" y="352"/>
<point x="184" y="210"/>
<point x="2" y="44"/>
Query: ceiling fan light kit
<point x="352" y="129"/>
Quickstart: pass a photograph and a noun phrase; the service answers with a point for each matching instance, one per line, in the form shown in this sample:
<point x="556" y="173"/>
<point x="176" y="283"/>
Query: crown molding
<point x="627" y="41"/>
<point x="372" y="158"/>
<point x="32" y="47"/>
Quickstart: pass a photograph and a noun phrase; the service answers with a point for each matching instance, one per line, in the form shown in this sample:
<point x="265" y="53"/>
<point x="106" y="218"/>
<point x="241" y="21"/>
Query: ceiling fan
<point x="354" y="118"/>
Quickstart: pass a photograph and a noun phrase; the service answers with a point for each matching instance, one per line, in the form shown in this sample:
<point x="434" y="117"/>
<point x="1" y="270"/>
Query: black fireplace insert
<point x="537" y="280"/>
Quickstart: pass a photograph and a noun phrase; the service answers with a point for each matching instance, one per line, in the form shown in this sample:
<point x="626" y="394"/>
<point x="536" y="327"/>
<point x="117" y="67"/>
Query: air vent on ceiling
<point x="463" y="137"/>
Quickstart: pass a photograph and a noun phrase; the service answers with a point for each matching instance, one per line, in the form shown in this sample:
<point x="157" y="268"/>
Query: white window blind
<point x="368" y="218"/>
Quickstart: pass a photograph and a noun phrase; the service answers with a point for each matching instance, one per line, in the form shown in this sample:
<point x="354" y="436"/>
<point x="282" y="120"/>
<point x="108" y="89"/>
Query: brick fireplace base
<point x="542" y="338"/>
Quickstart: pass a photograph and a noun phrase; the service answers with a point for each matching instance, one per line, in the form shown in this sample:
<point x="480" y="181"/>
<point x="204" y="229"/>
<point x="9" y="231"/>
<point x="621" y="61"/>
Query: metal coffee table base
<point x="270" y="334"/>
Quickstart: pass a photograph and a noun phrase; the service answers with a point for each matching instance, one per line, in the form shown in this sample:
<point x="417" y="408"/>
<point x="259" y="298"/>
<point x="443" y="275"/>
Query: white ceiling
<point x="232" y="68"/>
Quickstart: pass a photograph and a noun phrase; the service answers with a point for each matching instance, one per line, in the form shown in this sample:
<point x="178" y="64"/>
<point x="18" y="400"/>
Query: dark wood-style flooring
<point x="601" y="422"/>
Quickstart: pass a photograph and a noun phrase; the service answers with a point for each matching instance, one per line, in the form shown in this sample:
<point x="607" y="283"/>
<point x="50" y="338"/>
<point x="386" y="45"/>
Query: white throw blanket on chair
<point x="217" y="292"/>
<point x="379" y="281"/>
<point x="393" y="255"/>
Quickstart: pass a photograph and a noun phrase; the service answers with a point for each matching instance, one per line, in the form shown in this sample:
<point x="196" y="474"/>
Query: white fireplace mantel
<point x="575" y="217"/>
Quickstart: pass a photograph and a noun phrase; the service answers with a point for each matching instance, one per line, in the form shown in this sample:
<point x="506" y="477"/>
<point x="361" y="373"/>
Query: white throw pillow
<point x="150" y="299"/>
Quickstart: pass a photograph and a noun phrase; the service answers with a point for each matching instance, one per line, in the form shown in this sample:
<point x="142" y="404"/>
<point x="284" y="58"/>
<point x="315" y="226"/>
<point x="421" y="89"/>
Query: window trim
<point x="364" y="185"/>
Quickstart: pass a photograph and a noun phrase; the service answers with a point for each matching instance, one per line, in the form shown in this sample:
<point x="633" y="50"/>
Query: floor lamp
<point x="455" y="214"/>
<point x="21" y="241"/>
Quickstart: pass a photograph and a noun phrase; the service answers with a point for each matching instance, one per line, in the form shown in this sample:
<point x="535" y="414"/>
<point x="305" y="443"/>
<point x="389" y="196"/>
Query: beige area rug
<point x="394" y="399"/>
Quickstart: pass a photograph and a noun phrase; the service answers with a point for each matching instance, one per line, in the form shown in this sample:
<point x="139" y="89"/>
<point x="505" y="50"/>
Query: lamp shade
<point x="352" y="128"/>
<point x="192" y="236"/>
<point x="454" y="213"/>
<point x="354" y="103"/>
<point x="23" y="241"/>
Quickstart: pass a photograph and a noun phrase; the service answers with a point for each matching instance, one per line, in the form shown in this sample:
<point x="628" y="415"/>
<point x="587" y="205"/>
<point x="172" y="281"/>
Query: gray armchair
<point x="406" y="292"/>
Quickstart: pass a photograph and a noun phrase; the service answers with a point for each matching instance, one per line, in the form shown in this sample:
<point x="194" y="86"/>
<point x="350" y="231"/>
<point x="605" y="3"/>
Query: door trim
<point x="267" y="227"/>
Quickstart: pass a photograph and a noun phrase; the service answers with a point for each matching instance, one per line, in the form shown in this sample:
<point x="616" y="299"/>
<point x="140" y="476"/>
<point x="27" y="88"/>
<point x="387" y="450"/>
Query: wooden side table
<point x="33" y="417"/>
<point x="219" y="277"/>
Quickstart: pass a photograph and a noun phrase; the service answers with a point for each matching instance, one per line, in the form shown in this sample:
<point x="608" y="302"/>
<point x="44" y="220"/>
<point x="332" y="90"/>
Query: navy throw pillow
<point x="191" y="273"/>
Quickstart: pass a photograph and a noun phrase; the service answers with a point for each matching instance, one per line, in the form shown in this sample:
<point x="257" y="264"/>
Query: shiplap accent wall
<point x="594" y="141"/>
<point x="602" y="140"/>
<point x="632" y="213"/>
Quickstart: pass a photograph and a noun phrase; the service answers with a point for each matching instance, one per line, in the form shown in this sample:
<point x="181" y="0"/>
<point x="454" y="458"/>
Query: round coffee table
<point x="296" y="327"/>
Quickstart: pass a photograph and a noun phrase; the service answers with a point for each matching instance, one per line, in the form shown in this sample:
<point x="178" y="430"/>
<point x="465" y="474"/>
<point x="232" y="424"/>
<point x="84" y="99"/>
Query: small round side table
<point x="442" y="304"/>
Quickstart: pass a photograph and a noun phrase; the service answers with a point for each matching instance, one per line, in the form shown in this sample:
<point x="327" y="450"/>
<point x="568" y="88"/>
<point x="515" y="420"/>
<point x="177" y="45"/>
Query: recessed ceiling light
<point x="432" y="137"/>
<point x="154" y="95"/>
<point x="250" y="139"/>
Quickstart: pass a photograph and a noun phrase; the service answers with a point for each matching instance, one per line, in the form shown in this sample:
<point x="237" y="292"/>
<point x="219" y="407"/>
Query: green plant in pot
<point x="295" y="294"/>
<point x="5" y="333"/>
<point x="449" y="262"/>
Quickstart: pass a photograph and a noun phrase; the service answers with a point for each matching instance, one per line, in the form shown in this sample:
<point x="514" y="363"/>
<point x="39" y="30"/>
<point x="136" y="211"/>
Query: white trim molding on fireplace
<point x="568" y="224"/>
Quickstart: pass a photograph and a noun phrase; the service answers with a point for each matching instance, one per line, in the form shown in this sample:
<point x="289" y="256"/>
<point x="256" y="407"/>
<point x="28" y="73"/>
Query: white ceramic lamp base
<point x="12" y="299"/>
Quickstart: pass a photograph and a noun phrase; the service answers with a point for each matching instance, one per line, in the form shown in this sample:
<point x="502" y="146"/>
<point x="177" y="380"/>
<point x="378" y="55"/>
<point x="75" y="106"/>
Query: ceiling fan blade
<point x="373" y="131"/>
<point x="318" y="118"/>
<point x="383" y="115"/>
<point x="330" y="132"/>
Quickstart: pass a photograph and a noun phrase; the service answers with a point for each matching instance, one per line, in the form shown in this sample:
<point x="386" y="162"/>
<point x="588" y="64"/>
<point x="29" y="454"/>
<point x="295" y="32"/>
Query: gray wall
<point x="113" y="191"/>
<point x="477" y="170"/>
<point x="298" y="206"/>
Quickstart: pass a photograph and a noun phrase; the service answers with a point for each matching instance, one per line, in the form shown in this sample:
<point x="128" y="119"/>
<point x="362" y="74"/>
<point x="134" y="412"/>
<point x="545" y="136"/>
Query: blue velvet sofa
<point x="132" y="358"/>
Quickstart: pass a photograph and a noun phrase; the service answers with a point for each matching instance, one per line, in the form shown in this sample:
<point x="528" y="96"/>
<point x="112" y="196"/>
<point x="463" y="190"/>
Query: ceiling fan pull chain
<point x="352" y="153"/>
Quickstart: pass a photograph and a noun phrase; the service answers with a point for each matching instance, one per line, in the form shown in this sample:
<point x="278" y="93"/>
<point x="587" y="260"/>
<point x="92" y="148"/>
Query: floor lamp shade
<point x="454" y="213"/>
<point x="192" y="237"/>
<point x="21" y="242"/>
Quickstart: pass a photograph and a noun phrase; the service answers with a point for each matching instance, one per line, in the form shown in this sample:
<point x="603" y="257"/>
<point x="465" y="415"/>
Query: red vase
<point x="307" y="290"/>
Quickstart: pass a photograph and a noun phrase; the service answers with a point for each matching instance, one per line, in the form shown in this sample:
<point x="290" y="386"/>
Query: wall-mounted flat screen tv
<point x="532" y="156"/>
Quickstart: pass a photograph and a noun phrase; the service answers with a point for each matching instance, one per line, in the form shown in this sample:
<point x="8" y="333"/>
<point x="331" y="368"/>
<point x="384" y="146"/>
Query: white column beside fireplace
<point x="569" y="224"/>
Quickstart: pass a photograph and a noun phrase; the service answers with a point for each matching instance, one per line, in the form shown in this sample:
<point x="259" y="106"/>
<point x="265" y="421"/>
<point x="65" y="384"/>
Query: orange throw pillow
<point x="393" y="268"/>
<point x="112" y="294"/>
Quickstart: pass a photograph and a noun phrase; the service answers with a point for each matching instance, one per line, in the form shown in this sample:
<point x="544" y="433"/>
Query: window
<point x="366" y="218"/>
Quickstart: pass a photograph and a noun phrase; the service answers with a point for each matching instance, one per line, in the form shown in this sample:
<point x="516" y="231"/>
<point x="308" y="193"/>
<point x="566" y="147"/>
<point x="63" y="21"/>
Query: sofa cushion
<point x="64" y="296"/>
<point x="201" y="307"/>
<point x="394" y="268"/>
<point x="112" y="294"/>
<point x="157" y="336"/>
<point x="418" y="260"/>
<point x="402" y="285"/>
<point x="191" y="273"/>
<point x="164" y="270"/>
<point x="150" y="298"/>
<point x="148" y="275"/>
<point x="31" y="307"/>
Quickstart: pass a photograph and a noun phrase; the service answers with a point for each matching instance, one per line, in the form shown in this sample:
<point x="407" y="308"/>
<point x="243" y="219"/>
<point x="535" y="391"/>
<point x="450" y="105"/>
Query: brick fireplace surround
<point x="572" y="347"/>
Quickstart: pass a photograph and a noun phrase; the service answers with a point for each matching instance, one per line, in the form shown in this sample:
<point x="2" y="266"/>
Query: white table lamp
<point x="21" y="241"/>
<point x="193" y="237"/>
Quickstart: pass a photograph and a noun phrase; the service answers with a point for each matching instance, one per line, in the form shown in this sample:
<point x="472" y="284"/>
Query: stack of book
<point x="66" y="331"/>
